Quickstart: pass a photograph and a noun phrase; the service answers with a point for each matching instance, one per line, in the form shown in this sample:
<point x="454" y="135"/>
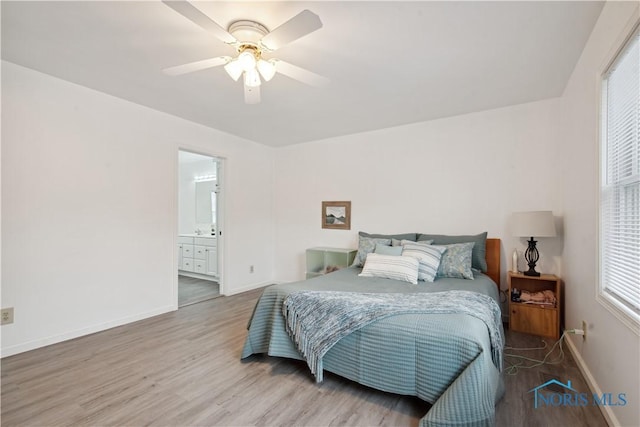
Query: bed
<point x="446" y="359"/>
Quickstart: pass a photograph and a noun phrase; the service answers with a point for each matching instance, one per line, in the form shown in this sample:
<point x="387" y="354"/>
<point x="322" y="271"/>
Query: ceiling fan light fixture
<point x="247" y="59"/>
<point x="234" y="69"/>
<point x="250" y="39"/>
<point x="252" y="78"/>
<point x="267" y="69"/>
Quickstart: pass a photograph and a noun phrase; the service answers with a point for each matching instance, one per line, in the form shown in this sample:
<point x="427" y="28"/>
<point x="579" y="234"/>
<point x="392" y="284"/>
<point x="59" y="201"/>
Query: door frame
<point x="220" y="215"/>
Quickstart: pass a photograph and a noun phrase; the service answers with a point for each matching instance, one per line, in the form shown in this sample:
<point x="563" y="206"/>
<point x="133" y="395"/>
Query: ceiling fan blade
<point x="300" y="74"/>
<point x="251" y="94"/>
<point x="300" y="25"/>
<point x="196" y="66"/>
<point x="193" y="14"/>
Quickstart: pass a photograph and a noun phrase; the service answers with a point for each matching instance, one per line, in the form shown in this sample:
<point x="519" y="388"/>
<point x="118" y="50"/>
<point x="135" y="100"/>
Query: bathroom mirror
<point x="205" y="202"/>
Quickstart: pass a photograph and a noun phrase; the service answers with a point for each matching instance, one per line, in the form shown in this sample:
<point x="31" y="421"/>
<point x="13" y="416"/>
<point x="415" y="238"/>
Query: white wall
<point x="460" y="175"/>
<point x="89" y="208"/>
<point x="611" y="352"/>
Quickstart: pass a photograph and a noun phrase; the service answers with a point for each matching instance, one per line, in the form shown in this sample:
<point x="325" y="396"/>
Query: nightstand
<point x="324" y="260"/>
<point x="532" y="318"/>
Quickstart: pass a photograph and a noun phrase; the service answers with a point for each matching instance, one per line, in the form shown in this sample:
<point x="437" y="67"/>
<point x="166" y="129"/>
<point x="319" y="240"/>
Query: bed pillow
<point x="428" y="257"/>
<point x="366" y="245"/>
<point x="402" y="242"/>
<point x="402" y="268"/>
<point x="388" y="250"/>
<point x="402" y="236"/>
<point x="456" y="261"/>
<point x="479" y="254"/>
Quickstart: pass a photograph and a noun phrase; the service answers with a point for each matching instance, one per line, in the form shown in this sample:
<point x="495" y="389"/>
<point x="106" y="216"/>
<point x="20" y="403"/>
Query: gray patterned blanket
<point x="316" y="320"/>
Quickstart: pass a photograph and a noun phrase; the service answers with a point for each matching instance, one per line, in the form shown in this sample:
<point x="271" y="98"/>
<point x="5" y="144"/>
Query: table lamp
<point x="533" y="224"/>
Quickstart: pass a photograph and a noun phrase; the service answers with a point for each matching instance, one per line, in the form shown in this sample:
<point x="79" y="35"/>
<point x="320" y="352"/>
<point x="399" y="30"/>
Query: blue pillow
<point x="388" y="250"/>
<point x="408" y="236"/>
<point x="366" y="245"/>
<point x="456" y="261"/>
<point x="479" y="253"/>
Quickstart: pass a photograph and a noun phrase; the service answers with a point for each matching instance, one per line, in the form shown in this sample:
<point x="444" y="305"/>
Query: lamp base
<point x="532" y="256"/>
<point x="531" y="273"/>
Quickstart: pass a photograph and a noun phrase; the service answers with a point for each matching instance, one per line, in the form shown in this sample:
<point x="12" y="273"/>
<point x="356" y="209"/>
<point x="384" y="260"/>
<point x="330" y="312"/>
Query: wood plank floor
<point x="183" y="368"/>
<point x="192" y="290"/>
<point x="517" y="405"/>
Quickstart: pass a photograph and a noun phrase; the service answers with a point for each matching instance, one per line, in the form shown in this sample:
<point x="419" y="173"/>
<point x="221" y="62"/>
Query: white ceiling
<point x="390" y="63"/>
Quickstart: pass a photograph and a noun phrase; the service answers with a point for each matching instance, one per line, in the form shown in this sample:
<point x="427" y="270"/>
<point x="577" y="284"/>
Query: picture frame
<point x="336" y="215"/>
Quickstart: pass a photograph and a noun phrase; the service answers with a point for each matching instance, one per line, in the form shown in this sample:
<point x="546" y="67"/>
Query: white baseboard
<point x="42" y="342"/>
<point x="198" y="276"/>
<point x="250" y="287"/>
<point x="608" y="414"/>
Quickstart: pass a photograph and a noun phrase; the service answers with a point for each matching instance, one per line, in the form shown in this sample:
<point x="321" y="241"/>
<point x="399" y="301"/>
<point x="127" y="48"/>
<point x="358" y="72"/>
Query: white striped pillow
<point x="402" y="268"/>
<point x="428" y="256"/>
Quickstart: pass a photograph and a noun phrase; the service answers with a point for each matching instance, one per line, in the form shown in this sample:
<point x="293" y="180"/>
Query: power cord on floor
<point x="544" y="345"/>
<point x="513" y="367"/>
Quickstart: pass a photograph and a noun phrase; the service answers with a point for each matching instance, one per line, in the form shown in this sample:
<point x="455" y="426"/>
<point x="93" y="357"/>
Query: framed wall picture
<point x="336" y="215"/>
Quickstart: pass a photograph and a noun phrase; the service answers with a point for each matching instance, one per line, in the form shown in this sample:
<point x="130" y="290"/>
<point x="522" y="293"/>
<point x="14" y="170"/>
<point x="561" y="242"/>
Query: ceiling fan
<point x="251" y="40"/>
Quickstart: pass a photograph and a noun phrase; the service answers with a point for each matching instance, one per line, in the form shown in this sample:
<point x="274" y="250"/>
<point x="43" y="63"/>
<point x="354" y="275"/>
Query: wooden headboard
<point x="493" y="260"/>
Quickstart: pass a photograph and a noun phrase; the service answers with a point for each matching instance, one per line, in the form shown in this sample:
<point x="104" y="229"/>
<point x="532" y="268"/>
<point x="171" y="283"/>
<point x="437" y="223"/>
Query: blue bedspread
<point x="317" y="320"/>
<point x="444" y="359"/>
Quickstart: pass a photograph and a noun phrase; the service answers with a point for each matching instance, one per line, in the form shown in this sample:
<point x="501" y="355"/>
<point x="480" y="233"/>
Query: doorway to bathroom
<point x="199" y="227"/>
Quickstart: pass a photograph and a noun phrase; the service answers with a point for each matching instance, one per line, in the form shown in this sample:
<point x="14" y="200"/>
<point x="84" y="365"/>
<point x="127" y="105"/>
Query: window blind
<point x="620" y="190"/>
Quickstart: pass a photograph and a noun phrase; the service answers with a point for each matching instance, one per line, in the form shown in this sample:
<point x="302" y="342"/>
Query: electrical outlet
<point x="251" y="269"/>
<point x="584" y="328"/>
<point x="6" y="316"/>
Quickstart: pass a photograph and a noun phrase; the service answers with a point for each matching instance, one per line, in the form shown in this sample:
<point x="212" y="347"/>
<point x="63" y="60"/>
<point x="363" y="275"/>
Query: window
<point x="620" y="183"/>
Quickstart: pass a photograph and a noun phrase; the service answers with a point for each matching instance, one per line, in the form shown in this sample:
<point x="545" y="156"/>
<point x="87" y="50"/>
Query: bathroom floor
<point x="191" y="290"/>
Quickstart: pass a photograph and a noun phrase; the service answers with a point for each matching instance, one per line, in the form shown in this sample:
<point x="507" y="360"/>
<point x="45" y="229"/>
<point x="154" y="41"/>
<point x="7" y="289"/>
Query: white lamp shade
<point x="267" y="69"/>
<point x="533" y="224"/>
<point x="247" y="60"/>
<point x="234" y="69"/>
